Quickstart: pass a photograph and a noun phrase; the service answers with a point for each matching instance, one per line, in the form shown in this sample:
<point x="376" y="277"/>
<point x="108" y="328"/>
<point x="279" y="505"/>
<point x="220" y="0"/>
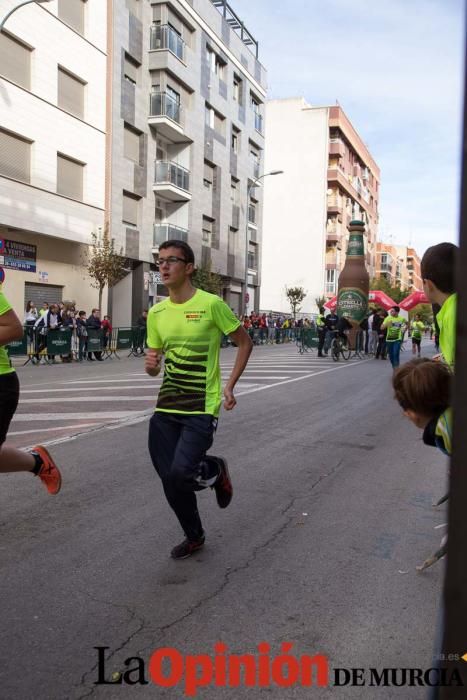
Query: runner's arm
<point x="152" y="361"/>
<point x="10" y="328"/>
<point x="244" y="347"/>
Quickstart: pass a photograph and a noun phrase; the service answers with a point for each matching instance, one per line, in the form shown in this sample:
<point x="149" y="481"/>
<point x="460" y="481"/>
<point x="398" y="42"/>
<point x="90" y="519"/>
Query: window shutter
<point x="15" y="156"/>
<point x="15" y="60"/>
<point x="70" y="93"/>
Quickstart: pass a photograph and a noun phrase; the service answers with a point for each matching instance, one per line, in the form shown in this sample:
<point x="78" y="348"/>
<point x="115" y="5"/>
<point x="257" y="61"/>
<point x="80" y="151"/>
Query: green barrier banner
<point x="58" y="342"/>
<point x="95" y="340"/>
<point x="139" y="337"/>
<point x="18" y="347"/>
<point x="124" y="339"/>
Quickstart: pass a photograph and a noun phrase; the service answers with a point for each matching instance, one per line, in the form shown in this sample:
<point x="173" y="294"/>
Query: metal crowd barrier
<point x="38" y="346"/>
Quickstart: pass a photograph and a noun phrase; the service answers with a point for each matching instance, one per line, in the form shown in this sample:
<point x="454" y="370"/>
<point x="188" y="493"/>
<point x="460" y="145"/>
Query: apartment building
<point x="140" y="117"/>
<point x="399" y="265"/>
<point x="186" y="133"/>
<point x="52" y="147"/>
<point x="329" y="178"/>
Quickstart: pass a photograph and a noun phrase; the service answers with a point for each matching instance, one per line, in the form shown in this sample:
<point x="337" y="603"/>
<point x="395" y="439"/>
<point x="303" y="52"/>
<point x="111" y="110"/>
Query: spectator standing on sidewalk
<point x="438" y="268"/>
<point x="30" y="317"/>
<point x="187" y="328"/>
<point x="38" y="461"/>
<point x="107" y="330"/>
<point x="381" y="350"/>
<point x="82" y="332"/>
<point x="94" y="323"/>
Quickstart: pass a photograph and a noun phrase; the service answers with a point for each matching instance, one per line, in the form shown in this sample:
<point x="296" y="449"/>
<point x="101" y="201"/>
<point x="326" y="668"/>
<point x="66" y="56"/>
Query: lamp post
<point x="251" y="186"/>
<point x="21" y="4"/>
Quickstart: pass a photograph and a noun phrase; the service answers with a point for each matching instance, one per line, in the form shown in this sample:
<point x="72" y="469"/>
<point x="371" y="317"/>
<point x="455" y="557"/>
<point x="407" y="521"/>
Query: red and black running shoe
<point x="223" y="486"/>
<point x="186" y="548"/>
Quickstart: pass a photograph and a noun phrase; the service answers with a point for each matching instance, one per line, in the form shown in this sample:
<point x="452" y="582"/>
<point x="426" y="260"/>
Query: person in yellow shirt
<point x="38" y="461"/>
<point x="438" y="268"/>
<point x="394" y="325"/>
<point x="417" y="327"/>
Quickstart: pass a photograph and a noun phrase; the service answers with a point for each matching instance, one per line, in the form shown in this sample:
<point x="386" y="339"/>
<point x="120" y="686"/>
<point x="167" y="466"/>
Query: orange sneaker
<point x="49" y="473"/>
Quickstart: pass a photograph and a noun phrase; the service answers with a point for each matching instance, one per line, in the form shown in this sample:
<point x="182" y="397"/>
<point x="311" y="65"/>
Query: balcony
<point x="336" y="148"/>
<point x="258" y="122"/>
<point x="172" y="181"/>
<point x="165" y="115"/>
<point x="165" y="38"/>
<point x="333" y="235"/>
<point x="335" y="204"/>
<point x="168" y="232"/>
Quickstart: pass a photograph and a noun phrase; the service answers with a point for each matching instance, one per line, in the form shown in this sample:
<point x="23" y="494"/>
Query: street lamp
<point x="21" y="4"/>
<point x="251" y="187"/>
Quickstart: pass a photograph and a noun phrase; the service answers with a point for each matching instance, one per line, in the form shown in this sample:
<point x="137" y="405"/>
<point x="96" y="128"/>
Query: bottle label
<point x="355" y="246"/>
<point x="352" y="303"/>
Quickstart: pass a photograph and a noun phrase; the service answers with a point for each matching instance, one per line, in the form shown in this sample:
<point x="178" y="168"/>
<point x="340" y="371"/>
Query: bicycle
<point x="339" y="346"/>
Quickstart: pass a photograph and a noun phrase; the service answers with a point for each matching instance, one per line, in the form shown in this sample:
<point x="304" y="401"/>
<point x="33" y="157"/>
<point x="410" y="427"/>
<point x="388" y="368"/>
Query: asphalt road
<point x="331" y="514"/>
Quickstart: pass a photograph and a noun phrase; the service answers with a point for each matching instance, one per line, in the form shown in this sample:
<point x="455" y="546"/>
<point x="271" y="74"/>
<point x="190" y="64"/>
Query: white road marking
<point x="93" y="399"/>
<point x="135" y="417"/>
<point x="74" y="426"/>
<point x="110" y="415"/>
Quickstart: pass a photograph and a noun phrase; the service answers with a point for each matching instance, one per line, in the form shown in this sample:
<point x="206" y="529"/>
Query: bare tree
<point x="103" y="264"/>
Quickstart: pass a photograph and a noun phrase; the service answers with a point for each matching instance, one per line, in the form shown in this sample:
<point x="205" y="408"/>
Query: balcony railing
<point x="331" y="288"/>
<point x="162" y="104"/>
<point x="165" y="37"/>
<point x="258" y="122"/>
<point x="167" y="172"/>
<point x="168" y="232"/>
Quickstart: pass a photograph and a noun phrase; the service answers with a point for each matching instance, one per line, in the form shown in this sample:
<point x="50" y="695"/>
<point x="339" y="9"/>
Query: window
<point x="130" y="69"/>
<point x="15" y="60"/>
<point x="130" y="209"/>
<point x="207" y="231"/>
<point x="131" y="143"/>
<point x="234" y="191"/>
<point x="252" y="212"/>
<point x="252" y="256"/>
<point x="330" y="281"/>
<point x="215" y="62"/>
<point x="235" y="139"/>
<point x="237" y="89"/>
<point x="69" y="177"/>
<point x="255" y="156"/>
<point x="15" y="156"/>
<point x="215" y="120"/>
<point x="72" y="13"/>
<point x="70" y="93"/>
<point x="255" y="105"/>
<point x="208" y="175"/>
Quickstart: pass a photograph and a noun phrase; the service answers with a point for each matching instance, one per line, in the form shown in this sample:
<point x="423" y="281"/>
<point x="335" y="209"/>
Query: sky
<point x="396" y="68"/>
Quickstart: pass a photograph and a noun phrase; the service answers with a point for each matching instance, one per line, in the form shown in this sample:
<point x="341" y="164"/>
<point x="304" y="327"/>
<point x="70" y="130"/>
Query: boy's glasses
<point x="171" y="260"/>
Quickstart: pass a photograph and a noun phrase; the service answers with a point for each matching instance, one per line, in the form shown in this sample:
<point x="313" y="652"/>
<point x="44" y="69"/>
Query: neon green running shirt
<point x="417" y="328"/>
<point x="5" y="365"/>
<point x="190" y="335"/>
<point x="394" y="325"/>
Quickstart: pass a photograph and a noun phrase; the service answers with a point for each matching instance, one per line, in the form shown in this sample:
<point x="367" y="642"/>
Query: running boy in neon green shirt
<point x="187" y="329"/>
<point x="417" y="327"/>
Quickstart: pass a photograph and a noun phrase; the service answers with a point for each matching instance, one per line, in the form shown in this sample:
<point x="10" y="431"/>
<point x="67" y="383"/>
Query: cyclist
<point x="331" y="322"/>
<point x="417" y="327"/>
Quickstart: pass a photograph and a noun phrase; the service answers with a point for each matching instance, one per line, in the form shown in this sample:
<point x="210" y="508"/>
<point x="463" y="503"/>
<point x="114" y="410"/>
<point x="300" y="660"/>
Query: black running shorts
<point x="9" y="395"/>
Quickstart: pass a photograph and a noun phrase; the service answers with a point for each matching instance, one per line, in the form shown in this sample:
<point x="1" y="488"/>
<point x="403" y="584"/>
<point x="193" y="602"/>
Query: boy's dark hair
<point x="439" y="266"/>
<point x="396" y="309"/>
<point x="81" y="313"/>
<point x="321" y="310"/>
<point x="181" y="245"/>
<point x="423" y="386"/>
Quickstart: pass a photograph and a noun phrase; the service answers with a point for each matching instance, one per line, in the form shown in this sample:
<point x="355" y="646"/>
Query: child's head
<point x="438" y="269"/>
<point x="422" y="388"/>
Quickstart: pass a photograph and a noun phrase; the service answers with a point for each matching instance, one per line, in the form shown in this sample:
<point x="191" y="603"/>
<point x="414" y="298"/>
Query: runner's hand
<point x="152" y="362"/>
<point x="229" y="399"/>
